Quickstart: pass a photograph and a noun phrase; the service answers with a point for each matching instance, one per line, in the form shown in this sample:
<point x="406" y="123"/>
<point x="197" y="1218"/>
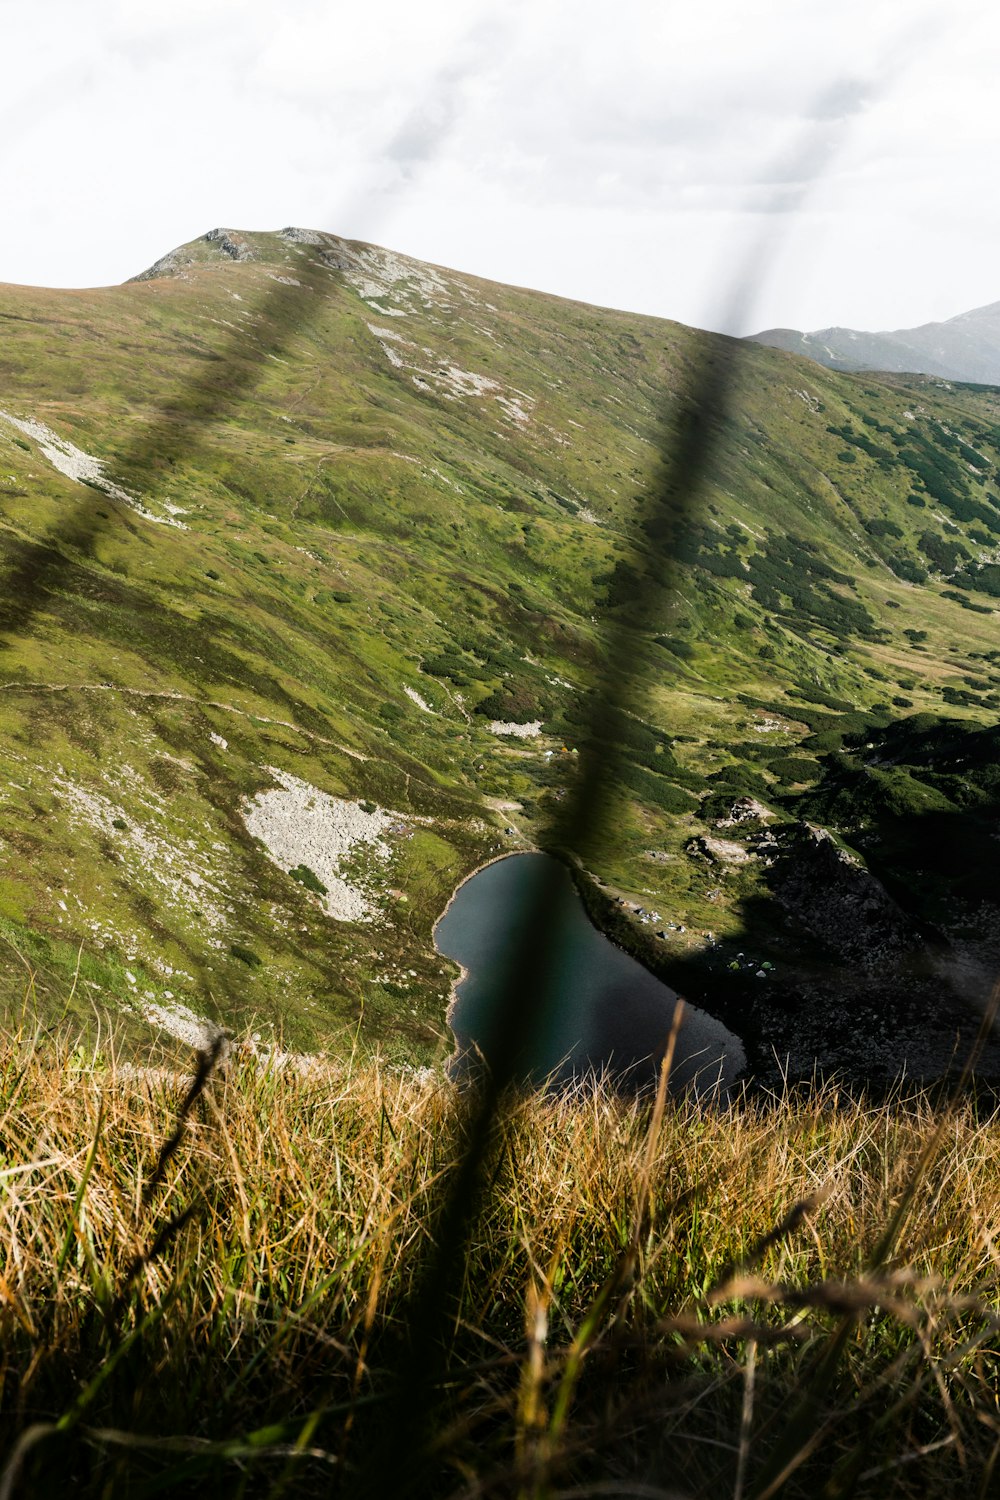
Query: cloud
<point x="626" y="153"/>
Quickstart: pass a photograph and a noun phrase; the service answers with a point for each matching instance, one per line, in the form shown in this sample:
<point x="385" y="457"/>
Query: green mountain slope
<point x="289" y="522"/>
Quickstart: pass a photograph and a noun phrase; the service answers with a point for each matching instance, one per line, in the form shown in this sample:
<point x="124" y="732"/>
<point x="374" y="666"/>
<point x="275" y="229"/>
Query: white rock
<point x="300" y="825"/>
<point x="415" y="697"/>
<point x="519" y="731"/>
<point x="83" y="467"/>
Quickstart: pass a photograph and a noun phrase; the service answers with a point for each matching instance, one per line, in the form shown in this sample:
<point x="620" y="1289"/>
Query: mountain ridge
<point x="964" y="348"/>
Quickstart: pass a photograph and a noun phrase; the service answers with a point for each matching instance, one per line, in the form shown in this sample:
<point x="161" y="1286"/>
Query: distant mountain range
<point x="966" y="347"/>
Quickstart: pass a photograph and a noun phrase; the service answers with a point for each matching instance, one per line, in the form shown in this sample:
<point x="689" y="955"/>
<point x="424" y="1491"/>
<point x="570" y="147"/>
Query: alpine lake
<point x="532" y="959"/>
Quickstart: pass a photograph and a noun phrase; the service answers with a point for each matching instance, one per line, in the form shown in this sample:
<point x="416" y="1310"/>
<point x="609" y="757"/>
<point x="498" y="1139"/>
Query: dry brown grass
<point x="688" y="1302"/>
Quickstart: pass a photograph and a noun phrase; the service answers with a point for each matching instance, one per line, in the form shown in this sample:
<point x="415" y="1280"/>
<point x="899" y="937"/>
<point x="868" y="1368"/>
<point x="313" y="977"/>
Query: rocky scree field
<point x="300" y="534"/>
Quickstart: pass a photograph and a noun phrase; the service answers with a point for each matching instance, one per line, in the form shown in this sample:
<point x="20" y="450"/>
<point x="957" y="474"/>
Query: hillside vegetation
<point x="289" y="522"/>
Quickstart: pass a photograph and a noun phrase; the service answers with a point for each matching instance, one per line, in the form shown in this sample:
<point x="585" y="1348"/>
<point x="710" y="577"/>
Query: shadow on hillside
<point x="39" y="569"/>
<point x="877" y="967"/>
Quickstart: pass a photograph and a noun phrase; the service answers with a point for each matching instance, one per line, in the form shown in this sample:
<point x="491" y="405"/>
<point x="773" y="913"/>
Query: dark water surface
<point x="598" y="1008"/>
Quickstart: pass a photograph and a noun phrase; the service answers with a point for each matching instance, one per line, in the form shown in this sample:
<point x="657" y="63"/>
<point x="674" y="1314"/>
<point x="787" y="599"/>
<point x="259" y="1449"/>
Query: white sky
<point x="637" y="153"/>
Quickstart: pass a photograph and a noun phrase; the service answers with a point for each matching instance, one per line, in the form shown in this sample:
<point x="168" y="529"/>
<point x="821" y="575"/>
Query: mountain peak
<point x="218" y="245"/>
<point x="964" y="348"/>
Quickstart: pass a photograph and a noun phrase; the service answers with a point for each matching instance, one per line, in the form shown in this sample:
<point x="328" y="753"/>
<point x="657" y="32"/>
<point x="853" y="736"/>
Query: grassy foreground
<point x="788" y="1295"/>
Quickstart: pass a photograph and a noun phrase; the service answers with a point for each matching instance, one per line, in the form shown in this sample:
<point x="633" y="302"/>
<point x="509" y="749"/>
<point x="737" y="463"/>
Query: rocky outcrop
<point x="745" y="810"/>
<point x="171" y="264"/>
<point x="296" y="236"/>
<point x="234" y="248"/>
<point x="830" y="893"/>
<point x="178" y="262"/>
<point x="719" y="851"/>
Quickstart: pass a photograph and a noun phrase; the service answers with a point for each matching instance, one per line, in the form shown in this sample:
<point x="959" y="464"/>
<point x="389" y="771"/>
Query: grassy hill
<point x="288" y="522"/>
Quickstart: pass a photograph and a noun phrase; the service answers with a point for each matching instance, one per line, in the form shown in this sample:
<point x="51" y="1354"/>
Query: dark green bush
<point x="880" y="527"/>
<point x="681" y="649"/>
<point x="655" y="790"/>
<point x="738" y="781"/>
<point x="245" y="955"/>
<point x="791" y="768"/>
<point x="943" y="555"/>
<point x="511" y="703"/>
<point x="309" y="879"/>
<point x="906" y="568"/>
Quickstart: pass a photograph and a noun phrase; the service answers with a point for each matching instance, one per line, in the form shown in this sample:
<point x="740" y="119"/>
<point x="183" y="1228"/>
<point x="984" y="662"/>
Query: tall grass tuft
<point x="647" y="1291"/>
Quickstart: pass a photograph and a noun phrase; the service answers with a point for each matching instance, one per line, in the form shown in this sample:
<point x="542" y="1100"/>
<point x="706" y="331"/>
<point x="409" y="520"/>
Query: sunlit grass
<point x="676" y="1303"/>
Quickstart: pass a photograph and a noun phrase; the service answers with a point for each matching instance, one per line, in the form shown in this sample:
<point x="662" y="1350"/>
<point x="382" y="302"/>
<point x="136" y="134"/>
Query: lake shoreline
<point x="593" y="1035"/>
<point x="463" y="973"/>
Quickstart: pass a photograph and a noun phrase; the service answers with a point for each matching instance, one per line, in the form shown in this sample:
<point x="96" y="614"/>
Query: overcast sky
<point x="637" y="153"/>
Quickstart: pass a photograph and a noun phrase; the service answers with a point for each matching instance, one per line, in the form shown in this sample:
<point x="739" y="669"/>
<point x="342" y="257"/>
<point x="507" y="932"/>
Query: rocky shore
<point x="857" y="990"/>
